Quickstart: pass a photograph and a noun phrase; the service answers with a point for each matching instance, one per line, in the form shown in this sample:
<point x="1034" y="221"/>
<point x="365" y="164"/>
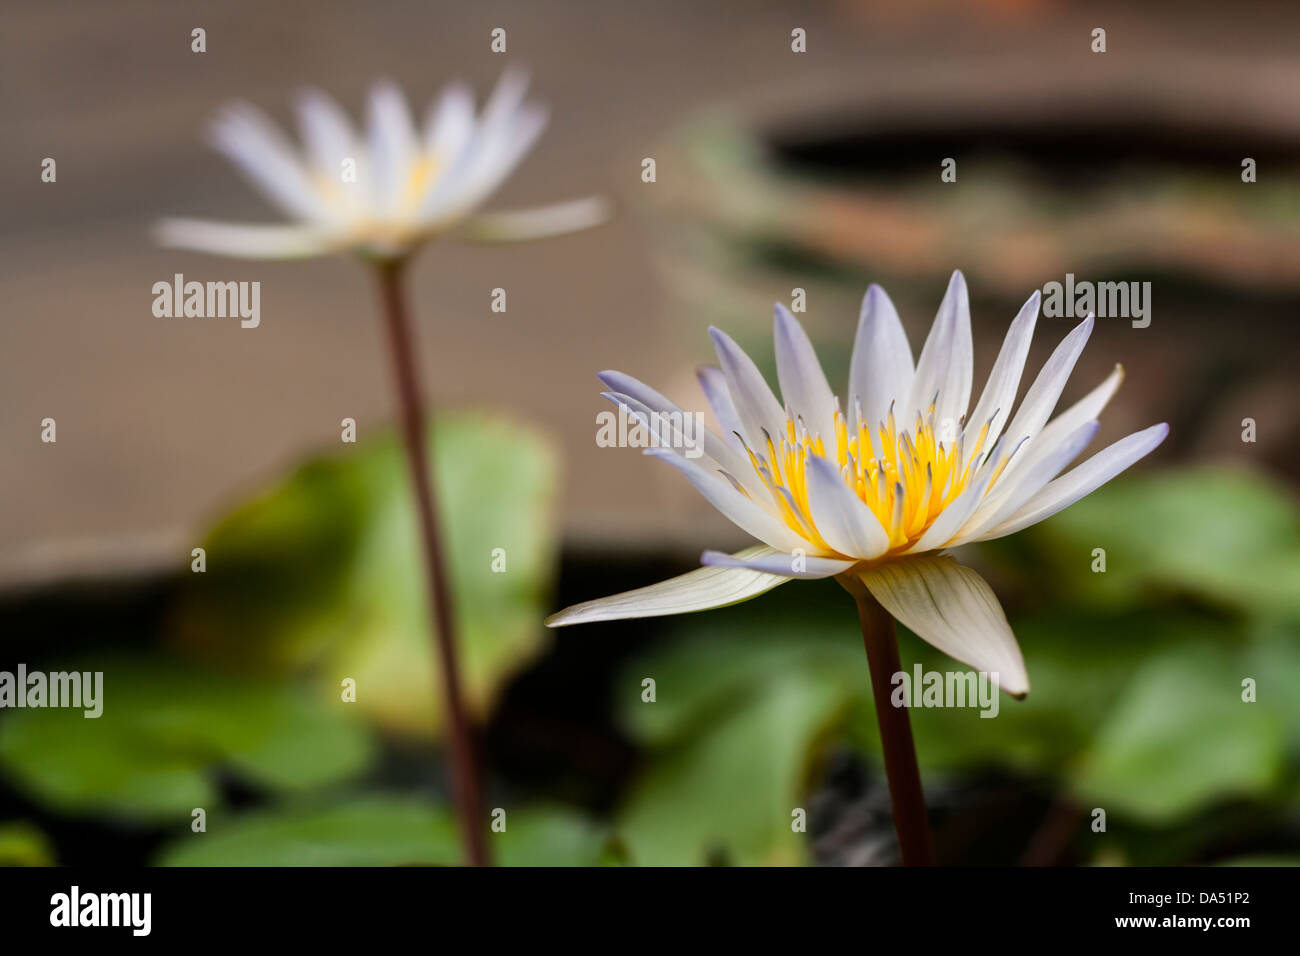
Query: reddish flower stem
<point x="464" y="768"/>
<point x="901" y="770"/>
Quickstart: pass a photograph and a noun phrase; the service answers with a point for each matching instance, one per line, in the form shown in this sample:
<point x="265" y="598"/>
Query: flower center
<point x="420" y="177"/>
<point x="905" y="477"/>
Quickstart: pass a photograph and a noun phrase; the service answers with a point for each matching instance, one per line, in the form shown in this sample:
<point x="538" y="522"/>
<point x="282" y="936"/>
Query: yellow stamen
<point x="906" y="478"/>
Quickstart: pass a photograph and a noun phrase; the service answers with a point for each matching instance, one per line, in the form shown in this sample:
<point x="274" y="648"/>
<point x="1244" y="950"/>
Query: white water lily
<point x="878" y="488"/>
<point x="384" y="193"/>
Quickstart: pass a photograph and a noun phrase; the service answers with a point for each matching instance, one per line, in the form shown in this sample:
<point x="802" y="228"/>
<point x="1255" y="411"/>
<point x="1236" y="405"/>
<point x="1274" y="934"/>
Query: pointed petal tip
<point x="704" y="371"/>
<point x="1015" y="683"/>
<point x="872" y="300"/>
<point x="386" y="89"/>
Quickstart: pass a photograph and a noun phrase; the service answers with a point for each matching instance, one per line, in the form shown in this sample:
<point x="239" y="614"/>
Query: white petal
<point x="1081" y="481"/>
<point x="803" y="383"/>
<point x="261" y="152"/>
<point x="1084" y="410"/>
<point x="483" y="166"/>
<point x="945" y="365"/>
<point x="1000" y="390"/>
<point x="1011" y="497"/>
<point x="745" y="513"/>
<point x="724" y="453"/>
<point x="701" y="445"/>
<point x="450" y="125"/>
<point x="714" y="385"/>
<point x="953" y="608"/>
<point x="392" y="147"/>
<point x="881" y="370"/>
<point x="1043" y="395"/>
<point x="246" y="241"/>
<point x="504" y="134"/>
<point x="786" y="565"/>
<point x="700" y="590"/>
<point x="540" y="222"/>
<point x="326" y="133"/>
<point x="506" y="99"/>
<point x="755" y="404"/>
<point x="848" y="525"/>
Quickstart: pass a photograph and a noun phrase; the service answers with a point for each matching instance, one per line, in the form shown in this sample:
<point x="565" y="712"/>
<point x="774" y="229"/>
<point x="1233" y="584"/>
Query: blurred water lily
<point x="382" y="197"/>
<point x="384" y="193"/>
<point x="875" y="491"/>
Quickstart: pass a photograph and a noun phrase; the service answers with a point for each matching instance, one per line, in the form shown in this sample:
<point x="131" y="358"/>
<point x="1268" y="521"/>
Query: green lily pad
<point x="383" y="830"/>
<point x="166" y="728"/>
<point x="1080" y="662"/>
<point x="1225" y="534"/>
<point x="1182" y="739"/>
<point x="324" y="572"/>
<point x="741" y="698"/>
<point x="729" y="793"/>
<point x="716" y="662"/>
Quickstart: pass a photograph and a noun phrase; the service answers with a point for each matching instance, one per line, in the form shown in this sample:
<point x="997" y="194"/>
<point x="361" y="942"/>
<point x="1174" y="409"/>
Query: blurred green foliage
<point x="23" y="844"/>
<point x="318" y="579"/>
<point x="732" y="729"/>
<point x="384" y="830"/>
<point x="1136" y="704"/>
<point x="1137" y="682"/>
<point x="167" y="727"/>
<point x="1225" y="536"/>
<point x="324" y="573"/>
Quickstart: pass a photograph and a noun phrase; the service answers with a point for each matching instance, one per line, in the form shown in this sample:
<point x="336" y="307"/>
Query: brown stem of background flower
<point x="464" y="768"/>
<point x="881" y="642"/>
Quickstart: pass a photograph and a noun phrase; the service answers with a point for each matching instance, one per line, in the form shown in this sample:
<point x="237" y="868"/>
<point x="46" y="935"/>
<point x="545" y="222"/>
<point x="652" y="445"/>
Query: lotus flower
<point x="879" y="487"/>
<point x="382" y="197"/>
<point x="386" y="193"/>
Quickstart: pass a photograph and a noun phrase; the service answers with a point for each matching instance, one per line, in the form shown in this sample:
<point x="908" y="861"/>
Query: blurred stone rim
<point x="730" y="187"/>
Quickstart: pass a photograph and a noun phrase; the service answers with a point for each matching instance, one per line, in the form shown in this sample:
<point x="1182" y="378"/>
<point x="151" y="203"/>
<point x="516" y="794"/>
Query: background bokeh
<point x="776" y="171"/>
